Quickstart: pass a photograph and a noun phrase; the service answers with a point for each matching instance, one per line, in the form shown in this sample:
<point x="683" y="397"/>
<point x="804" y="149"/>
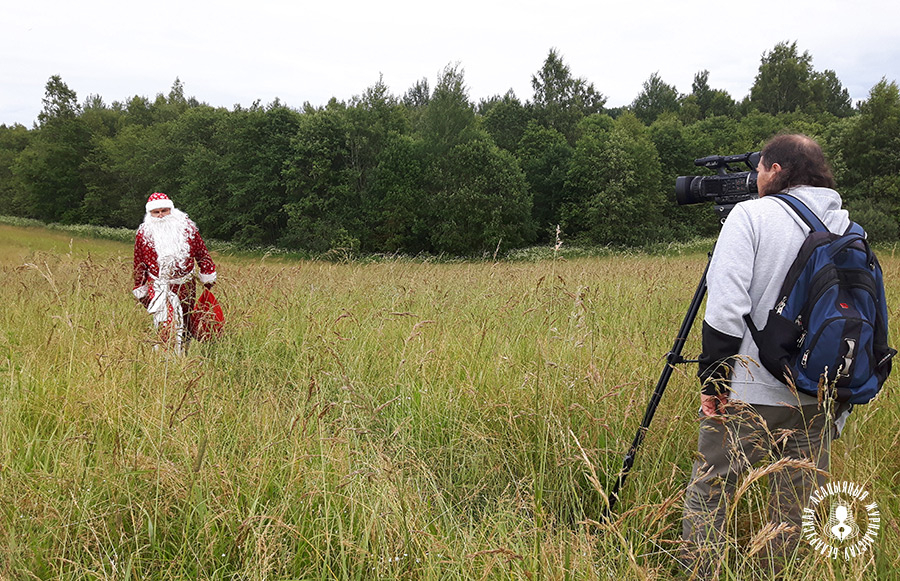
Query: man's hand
<point x="713" y="405"/>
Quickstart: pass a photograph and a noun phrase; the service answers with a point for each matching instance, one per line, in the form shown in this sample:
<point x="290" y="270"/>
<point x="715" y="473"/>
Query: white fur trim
<point x="140" y="292"/>
<point x="207" y="278"/>
<point x="160" y="204"/>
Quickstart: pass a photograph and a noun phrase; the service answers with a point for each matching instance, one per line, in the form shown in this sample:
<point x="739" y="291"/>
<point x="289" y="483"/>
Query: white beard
<point x="169" y="236"/>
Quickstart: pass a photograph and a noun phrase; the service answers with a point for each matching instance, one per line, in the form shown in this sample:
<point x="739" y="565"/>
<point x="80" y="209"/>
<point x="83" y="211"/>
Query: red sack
<point x="207" y="318"/>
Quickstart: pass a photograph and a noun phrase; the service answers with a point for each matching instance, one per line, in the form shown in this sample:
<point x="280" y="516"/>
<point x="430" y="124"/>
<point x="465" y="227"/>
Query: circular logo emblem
<point x="841" y="520"/>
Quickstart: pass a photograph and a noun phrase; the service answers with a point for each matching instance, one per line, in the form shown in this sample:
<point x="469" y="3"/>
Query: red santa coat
<point x="178" y="277"/>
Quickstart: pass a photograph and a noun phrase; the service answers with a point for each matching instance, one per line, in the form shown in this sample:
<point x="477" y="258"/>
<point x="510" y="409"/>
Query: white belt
<point x="163" y="298"/>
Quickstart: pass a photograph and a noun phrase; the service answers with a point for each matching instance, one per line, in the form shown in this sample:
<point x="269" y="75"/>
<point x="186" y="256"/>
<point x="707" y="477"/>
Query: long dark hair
<point x="802" y="162"/>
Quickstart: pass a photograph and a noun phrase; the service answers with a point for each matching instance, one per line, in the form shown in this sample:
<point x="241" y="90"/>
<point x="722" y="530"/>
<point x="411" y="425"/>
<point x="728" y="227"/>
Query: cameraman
<point x="746" y="414"/>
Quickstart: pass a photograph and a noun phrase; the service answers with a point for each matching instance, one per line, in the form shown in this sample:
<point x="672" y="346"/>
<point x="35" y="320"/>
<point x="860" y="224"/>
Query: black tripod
<point x="673" y="358"/>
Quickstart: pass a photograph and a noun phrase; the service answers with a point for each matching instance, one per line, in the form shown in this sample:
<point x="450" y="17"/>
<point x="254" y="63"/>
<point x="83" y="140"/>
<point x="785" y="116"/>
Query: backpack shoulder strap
<point x="802" y="210"/>
<point x="855" y="228"/>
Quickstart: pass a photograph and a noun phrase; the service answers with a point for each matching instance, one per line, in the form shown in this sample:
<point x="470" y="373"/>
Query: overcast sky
<point x="229" y="52"/>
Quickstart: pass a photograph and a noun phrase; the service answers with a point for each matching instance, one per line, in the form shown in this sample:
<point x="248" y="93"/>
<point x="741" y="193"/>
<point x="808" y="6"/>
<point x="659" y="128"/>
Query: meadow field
<point x="389" y="419"/>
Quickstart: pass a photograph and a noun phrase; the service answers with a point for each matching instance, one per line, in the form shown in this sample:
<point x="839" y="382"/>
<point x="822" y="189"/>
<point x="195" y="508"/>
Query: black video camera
<point x="725" y="189"/>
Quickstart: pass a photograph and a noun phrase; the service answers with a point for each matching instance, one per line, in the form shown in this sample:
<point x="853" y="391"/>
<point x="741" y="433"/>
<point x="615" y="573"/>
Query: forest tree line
<point x="431" y="171"/>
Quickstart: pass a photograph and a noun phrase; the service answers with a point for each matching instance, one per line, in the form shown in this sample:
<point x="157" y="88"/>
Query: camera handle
<point x="673" y="358"/>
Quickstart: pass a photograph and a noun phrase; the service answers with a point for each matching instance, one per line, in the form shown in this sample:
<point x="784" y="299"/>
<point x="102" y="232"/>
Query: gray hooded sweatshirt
<point x="758" y="242"/>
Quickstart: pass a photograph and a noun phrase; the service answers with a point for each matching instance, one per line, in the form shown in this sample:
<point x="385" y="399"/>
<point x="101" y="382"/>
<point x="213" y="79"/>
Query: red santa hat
<point x="159" y="200"/>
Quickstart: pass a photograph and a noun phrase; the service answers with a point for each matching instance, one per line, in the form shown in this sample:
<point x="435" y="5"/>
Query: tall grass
<point x="391" y="420"/>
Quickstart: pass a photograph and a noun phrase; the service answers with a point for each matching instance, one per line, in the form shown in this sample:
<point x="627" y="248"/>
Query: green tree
<point x="13" y="141"/>
<point x="449" y="117"/>
<point x="415" y="100"/>
<point x="375" y="119"/>
<point x="372" y="118"/>
<point x="615" y="184"/>
<point x="505" y="120"/>
<point x="399" y="209"/>
<point x="50" y="167"/>
<point x="875" y="216"/>
<point x="829" y="95"/>
<point x="677" y="152"/>
<point x="471" y="202"/>
<point x="417" y="96"/>
<point x="560" y="100"/>
<point x="655" y="98"/>
<point x="321" y="203"/>
<point x="101" y="204"/>
<point x="232" y="174"/>
<point x="480" y="200"/>
<point x="869" y="145"/>
<point x="705" y="102"/>
<point x="544" y="155"/>
<point x="138" y="111"/>
<point x="191" y="167"/>
<point x="712" y="136"/>
<point x="125" y="169"/>
<point x="102" y="121"/>
<point x="180" y="157"/>
<point x="337" y="194"/>
<point x="259" y="144"/>
<point x="60" y="103"/>
<point x="173" y="105"/>
<point x="783" y="82"/>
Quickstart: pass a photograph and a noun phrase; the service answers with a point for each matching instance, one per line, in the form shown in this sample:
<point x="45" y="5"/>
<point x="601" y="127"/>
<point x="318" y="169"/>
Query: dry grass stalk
<point x="767" y="533"/>
<point x="757" y="473"/>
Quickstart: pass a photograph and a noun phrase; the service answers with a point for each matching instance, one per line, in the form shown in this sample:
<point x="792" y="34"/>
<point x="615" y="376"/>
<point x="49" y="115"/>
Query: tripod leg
<point x="673" y="357"/>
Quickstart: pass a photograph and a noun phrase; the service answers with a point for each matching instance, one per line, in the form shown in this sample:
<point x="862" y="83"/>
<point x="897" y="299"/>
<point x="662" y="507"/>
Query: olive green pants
<point x="753" y="437"/>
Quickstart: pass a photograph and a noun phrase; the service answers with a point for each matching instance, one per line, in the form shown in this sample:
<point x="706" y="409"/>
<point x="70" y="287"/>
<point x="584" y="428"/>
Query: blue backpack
<point x="831" y="317"/>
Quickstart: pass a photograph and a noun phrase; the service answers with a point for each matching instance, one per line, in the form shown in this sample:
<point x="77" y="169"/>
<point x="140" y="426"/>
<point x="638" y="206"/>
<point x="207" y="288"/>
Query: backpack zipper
<point x="812" y="345"/>
<point x="817" y="288"/>
<point x="780" y="306"/>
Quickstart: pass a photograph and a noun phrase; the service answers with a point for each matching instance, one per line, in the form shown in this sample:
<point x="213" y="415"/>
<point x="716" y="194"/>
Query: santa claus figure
<point x="166" y="247"/>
